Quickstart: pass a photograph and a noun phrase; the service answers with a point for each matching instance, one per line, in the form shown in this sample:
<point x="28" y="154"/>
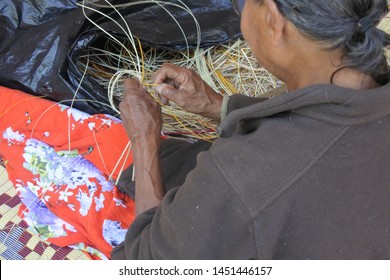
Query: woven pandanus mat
<point x="16" y="241"/>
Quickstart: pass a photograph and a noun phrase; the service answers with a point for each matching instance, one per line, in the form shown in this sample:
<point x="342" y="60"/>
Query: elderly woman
<point x="304" y="175"/>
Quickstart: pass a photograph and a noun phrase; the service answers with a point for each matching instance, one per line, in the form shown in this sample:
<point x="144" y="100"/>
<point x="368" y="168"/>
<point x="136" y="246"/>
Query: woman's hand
<point x="140" y="113"/>
<point x="188" y="91"/>
<point x="141" y="117"/>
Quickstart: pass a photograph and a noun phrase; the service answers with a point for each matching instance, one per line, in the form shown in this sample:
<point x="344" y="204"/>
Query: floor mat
<point x="16" y="241"/>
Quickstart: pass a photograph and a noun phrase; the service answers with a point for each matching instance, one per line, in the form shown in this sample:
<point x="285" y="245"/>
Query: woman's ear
<point x="276" y="22"/>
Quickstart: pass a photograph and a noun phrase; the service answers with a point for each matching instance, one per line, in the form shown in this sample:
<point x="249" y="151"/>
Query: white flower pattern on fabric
<point x="112" y="118"/>
<point x="34" y="188"/>
<point x="92" y="125"/>
<point x="42" y="160"/>
<point x="119" y="202"/>
<point x="85" y="202"/>
<point x="72" y="207"/>
<point x="45" y="186"/>
<point x="106" y="122"/>
<point x="69" y="173"/>
<point x="99" y="202"/>
<point x="13" y="137"/>
<point x="39" y="218"/>
<point x="64" y="195"/>
<point x="113" y="232"/>
<point x="77" y="115"/>
<point x="90" y="250"/>
<point x="62" y="181"/>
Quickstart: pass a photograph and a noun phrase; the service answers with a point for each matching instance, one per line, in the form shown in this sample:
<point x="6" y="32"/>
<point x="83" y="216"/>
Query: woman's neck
<point x="317" y="66"/>
<point x="347" y="78"/>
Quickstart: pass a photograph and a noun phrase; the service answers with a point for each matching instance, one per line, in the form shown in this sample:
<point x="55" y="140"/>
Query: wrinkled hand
<point x="141" y="117"/>
<point x="185" y="88"/>
<point x="140" y="113"/>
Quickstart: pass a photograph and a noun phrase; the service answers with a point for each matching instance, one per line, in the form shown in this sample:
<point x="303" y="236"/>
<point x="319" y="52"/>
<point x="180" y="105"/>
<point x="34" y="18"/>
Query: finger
<point x="134" y="88"/>
<point x="161" y="79"/>
<point x="123" y="108"/>
<point x="131" y="83"/>
<point x="164" y="100"/>
<point x="172" y="83"/>
<point x="169" y="73"/>
<point x="167" y="91"/>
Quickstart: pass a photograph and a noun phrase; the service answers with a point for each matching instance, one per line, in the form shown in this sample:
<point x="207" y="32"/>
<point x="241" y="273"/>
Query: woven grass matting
<point x="16" y="241"/>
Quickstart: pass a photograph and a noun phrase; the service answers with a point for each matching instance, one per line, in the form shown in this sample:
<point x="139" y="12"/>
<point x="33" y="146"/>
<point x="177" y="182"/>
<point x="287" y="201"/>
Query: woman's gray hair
<point x="350" y="25"/>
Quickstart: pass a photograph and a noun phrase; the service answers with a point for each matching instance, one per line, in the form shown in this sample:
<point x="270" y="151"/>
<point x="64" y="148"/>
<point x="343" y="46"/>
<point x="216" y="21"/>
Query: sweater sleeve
<point x="202" y="219"/>
<point x="237" y="101"/>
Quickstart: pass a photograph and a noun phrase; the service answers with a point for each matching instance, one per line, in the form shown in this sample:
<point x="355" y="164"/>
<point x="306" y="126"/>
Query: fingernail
<point x="158" y="88"/>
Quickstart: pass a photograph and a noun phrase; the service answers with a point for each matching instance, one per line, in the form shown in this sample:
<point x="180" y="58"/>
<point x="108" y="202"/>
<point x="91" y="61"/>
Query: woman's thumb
<point x="166" y="92"/>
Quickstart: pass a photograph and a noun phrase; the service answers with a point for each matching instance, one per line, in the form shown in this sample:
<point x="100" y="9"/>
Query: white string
<point x="73" y="100"/>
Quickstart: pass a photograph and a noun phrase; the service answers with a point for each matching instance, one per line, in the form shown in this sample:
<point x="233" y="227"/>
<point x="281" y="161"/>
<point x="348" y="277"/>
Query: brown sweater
<point x="305" y="175"/>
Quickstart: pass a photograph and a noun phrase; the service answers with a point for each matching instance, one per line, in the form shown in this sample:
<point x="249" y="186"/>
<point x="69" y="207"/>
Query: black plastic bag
<point x="40" y="41"/>
<point x="35" y="38"/>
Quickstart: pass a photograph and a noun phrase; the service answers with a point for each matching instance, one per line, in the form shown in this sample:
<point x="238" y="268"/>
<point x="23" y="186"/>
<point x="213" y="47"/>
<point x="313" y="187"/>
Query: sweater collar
<point x="328" y="103"/>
